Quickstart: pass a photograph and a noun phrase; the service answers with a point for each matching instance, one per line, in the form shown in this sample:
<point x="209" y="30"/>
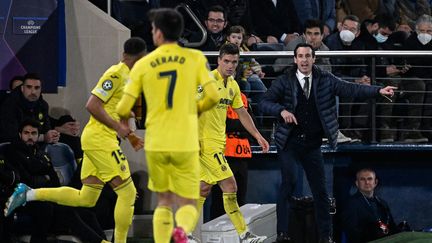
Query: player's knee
<point x="229" y="185"/>
<point x="205" y="189"/>
<point x="126" y="191"/>
<point x="89" y="195"/>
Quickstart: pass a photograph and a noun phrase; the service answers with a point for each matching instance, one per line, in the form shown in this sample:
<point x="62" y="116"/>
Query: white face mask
<point x="346" y="36"/>
<point x="424" y="38"/>
<point x="380" y="38"/>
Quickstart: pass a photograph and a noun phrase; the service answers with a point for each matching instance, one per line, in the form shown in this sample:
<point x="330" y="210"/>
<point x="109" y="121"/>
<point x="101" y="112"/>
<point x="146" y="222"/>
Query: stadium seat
<point x="63" y="160"/>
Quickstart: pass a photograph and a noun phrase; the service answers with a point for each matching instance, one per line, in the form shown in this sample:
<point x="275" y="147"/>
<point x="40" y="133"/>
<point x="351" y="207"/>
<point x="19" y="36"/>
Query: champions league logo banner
<point x="33" y="41"/>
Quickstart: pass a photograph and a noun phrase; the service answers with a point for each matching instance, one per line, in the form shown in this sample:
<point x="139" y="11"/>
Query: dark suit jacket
<point x="282" y="95"/>
<point x="359" y="221"/>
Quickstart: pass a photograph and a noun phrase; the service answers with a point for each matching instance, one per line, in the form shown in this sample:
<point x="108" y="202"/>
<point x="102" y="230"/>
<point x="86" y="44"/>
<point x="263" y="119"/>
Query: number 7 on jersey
<point x="172" y="78"/>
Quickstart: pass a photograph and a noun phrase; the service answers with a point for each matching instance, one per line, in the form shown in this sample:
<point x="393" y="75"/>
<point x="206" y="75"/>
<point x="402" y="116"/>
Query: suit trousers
<point x="297" y="153"/>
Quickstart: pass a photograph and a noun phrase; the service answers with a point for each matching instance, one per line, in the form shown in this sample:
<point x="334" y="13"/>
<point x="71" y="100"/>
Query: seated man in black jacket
<point x="33" y="167"/>
<point x="367" y="217"/>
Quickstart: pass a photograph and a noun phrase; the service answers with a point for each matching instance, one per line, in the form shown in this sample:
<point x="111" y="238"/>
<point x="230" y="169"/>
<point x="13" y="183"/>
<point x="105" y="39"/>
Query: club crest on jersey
<point x="40" y="116"/>
<point x="223" y="168"/>
<point x="231" y="93"/>
<point x="107" y="85"/>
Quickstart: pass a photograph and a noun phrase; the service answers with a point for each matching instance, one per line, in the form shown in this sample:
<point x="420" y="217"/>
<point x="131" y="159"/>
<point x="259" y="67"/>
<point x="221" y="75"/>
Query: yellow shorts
<point x="214" y="166"/>
<point x="177" y="172"/>
<point x="105" y="164"/>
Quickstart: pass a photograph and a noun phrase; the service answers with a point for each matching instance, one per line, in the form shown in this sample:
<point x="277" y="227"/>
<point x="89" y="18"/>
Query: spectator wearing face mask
<point x="349" y="68"/>
<point x="375" y="34"/>
<point x="420" y="40"/>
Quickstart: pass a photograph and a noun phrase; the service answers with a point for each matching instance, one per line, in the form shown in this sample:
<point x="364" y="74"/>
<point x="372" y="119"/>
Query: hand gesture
<point x="387" y="91"/>
<point x="52" y="136"/>
<point x="288" y="117"/>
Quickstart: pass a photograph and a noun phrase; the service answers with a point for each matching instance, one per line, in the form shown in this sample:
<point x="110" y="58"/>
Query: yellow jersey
<point x="109" y="89"/>
<point x="212" y="122"/>
<point x="170" y="77"/>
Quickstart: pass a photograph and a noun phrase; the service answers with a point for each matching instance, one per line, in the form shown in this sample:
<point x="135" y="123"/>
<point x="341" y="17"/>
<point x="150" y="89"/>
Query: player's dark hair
<point x="168" y="21"/>
<point x="229" y="49"/>
<point x="29" y="122"/>
<point x="134" y="46"/>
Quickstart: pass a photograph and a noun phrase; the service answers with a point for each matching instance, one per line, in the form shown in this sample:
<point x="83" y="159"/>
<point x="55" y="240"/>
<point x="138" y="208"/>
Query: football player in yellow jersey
<point x="169" y="77"/>
<point x="214" y="167"/>
<point x="103" y="162"/>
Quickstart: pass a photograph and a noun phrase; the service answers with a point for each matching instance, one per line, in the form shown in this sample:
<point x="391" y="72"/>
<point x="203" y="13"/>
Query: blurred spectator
<point x="249" y="72"/>
<point x="323" y="10"/>
<point x="69" y="130"/>
<point x="363" y="9"/>
<point x="13" y="83"/>
<point x="374" y="34"/>
<point x="410" y="11"/>
<point x="366" y="216"/>
<point x="215" y="23"/>
<point x="275" y="20"/>
<point x="238" y="13"/>
<point x="378" y="34"/>
<point x="25" y="104"/>
<point x="420" y="40"/>
<point x="238" y="153"/>
<point x="353" y="69"/>
<point x="313" y="34"/>
<point x="35" y="169"/>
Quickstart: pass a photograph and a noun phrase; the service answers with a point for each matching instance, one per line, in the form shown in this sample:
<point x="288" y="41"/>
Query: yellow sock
<point x="233" y="211"/>
<point x="163" y="224"/>
<point x="123" y="210"/>
<point x="187" y="217"/>
<point x="68" y="196"/>
<point x="200" y="204"/>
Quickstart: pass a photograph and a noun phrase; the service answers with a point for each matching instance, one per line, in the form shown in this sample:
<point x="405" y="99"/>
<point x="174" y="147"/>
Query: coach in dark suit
<point x="303" y="101"/>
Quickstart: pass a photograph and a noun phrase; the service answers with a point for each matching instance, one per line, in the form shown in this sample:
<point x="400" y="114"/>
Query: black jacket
<point x="15" y="109"/>
<point x="9" y="177"/>
<point x="282" y="95"/>
<point x="360" y="222"/>
<point x="33" y="165"/>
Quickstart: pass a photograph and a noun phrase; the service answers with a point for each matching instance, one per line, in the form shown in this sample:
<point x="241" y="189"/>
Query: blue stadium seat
<point x="63" y="160"/>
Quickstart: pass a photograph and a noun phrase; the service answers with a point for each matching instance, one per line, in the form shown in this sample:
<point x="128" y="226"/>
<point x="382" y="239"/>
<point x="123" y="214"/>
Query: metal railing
<point x="373" y="103"/>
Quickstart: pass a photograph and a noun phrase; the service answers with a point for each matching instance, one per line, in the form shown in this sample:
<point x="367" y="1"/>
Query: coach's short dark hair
<point x="303" y="45"/>
<point x="229" y="49"/>
<point x="168" y="21"/>
<point x="134" y="46"/>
